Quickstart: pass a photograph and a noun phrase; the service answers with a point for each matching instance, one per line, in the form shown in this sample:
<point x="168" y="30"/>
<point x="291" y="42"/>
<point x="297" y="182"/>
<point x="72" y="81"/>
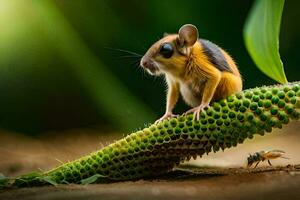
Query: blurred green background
<point x="57" y="70"/>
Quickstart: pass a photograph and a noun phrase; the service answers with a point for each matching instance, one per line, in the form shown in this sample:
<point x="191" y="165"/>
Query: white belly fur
<point x="188" y="95"/>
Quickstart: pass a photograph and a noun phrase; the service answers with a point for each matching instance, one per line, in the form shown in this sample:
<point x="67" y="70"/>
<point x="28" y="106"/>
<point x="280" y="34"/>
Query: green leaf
<point x="91" y="179"/>
<point x="48" y="180"/>
<point x="3" y="181"/>
<point x="30" y="176"/>
<point x="2" y="177"/>
<point x="261" y="35"/>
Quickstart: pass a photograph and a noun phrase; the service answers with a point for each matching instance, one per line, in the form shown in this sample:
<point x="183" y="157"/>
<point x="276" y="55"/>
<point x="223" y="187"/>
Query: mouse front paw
<point x="165" y="116"/>
<point x="197" y="110"/>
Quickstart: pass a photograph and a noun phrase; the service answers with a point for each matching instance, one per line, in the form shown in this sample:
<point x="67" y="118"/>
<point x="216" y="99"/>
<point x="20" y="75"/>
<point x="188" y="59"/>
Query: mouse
<point x="197" y="69"/>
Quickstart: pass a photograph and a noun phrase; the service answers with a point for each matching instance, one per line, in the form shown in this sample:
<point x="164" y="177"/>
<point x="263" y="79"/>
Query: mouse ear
<point x="187" y="35"/>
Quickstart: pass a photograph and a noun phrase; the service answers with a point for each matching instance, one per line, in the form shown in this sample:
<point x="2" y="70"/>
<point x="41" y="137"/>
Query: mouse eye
<point x="166" y="50"/>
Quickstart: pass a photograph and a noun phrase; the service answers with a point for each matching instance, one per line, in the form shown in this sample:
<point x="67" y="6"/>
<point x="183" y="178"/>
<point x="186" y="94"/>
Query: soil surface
<point x="222" y="175"/>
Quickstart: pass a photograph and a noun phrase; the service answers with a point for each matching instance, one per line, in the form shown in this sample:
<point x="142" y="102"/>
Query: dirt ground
<point x="215" y="176"/>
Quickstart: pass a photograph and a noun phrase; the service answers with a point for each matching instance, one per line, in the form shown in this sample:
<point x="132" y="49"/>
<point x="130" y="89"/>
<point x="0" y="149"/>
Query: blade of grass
<point x="261" y="35"/>
<point x="92" y="179"/>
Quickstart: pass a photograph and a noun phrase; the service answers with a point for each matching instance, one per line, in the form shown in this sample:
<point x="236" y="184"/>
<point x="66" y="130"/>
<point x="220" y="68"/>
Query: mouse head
<point x="170" y="54"/>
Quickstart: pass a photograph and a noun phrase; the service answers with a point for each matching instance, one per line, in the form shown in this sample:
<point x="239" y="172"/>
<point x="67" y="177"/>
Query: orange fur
<point x="228" y="85"/>
<point x="207" y="82"/>
<point x="191" y="72"/>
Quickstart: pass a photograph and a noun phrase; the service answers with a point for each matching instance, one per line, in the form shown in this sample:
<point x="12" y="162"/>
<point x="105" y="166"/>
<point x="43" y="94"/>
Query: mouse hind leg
<point x="229" y="84"/>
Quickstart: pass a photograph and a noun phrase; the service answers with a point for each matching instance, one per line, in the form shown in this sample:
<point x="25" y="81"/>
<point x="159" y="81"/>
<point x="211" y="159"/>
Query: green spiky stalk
<point x="158" y="148"/>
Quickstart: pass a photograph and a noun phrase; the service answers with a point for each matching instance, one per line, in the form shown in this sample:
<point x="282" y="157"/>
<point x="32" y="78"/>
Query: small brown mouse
<point x="198" y="69"/>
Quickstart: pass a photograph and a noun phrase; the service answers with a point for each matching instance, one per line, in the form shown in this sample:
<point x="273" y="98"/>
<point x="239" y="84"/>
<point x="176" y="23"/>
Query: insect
<point x="264" y="155"/>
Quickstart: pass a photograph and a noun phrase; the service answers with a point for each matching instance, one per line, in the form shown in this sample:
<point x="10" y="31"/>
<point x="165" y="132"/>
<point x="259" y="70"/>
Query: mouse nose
<point x="144" y="61"/>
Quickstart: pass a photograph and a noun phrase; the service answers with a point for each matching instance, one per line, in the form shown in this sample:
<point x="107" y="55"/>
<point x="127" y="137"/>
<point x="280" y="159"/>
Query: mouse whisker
<point x="131" y="60"/>
<point x="124" y="51"/>
<point x="135" y="63"/>
<point x="131" y="56"/>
